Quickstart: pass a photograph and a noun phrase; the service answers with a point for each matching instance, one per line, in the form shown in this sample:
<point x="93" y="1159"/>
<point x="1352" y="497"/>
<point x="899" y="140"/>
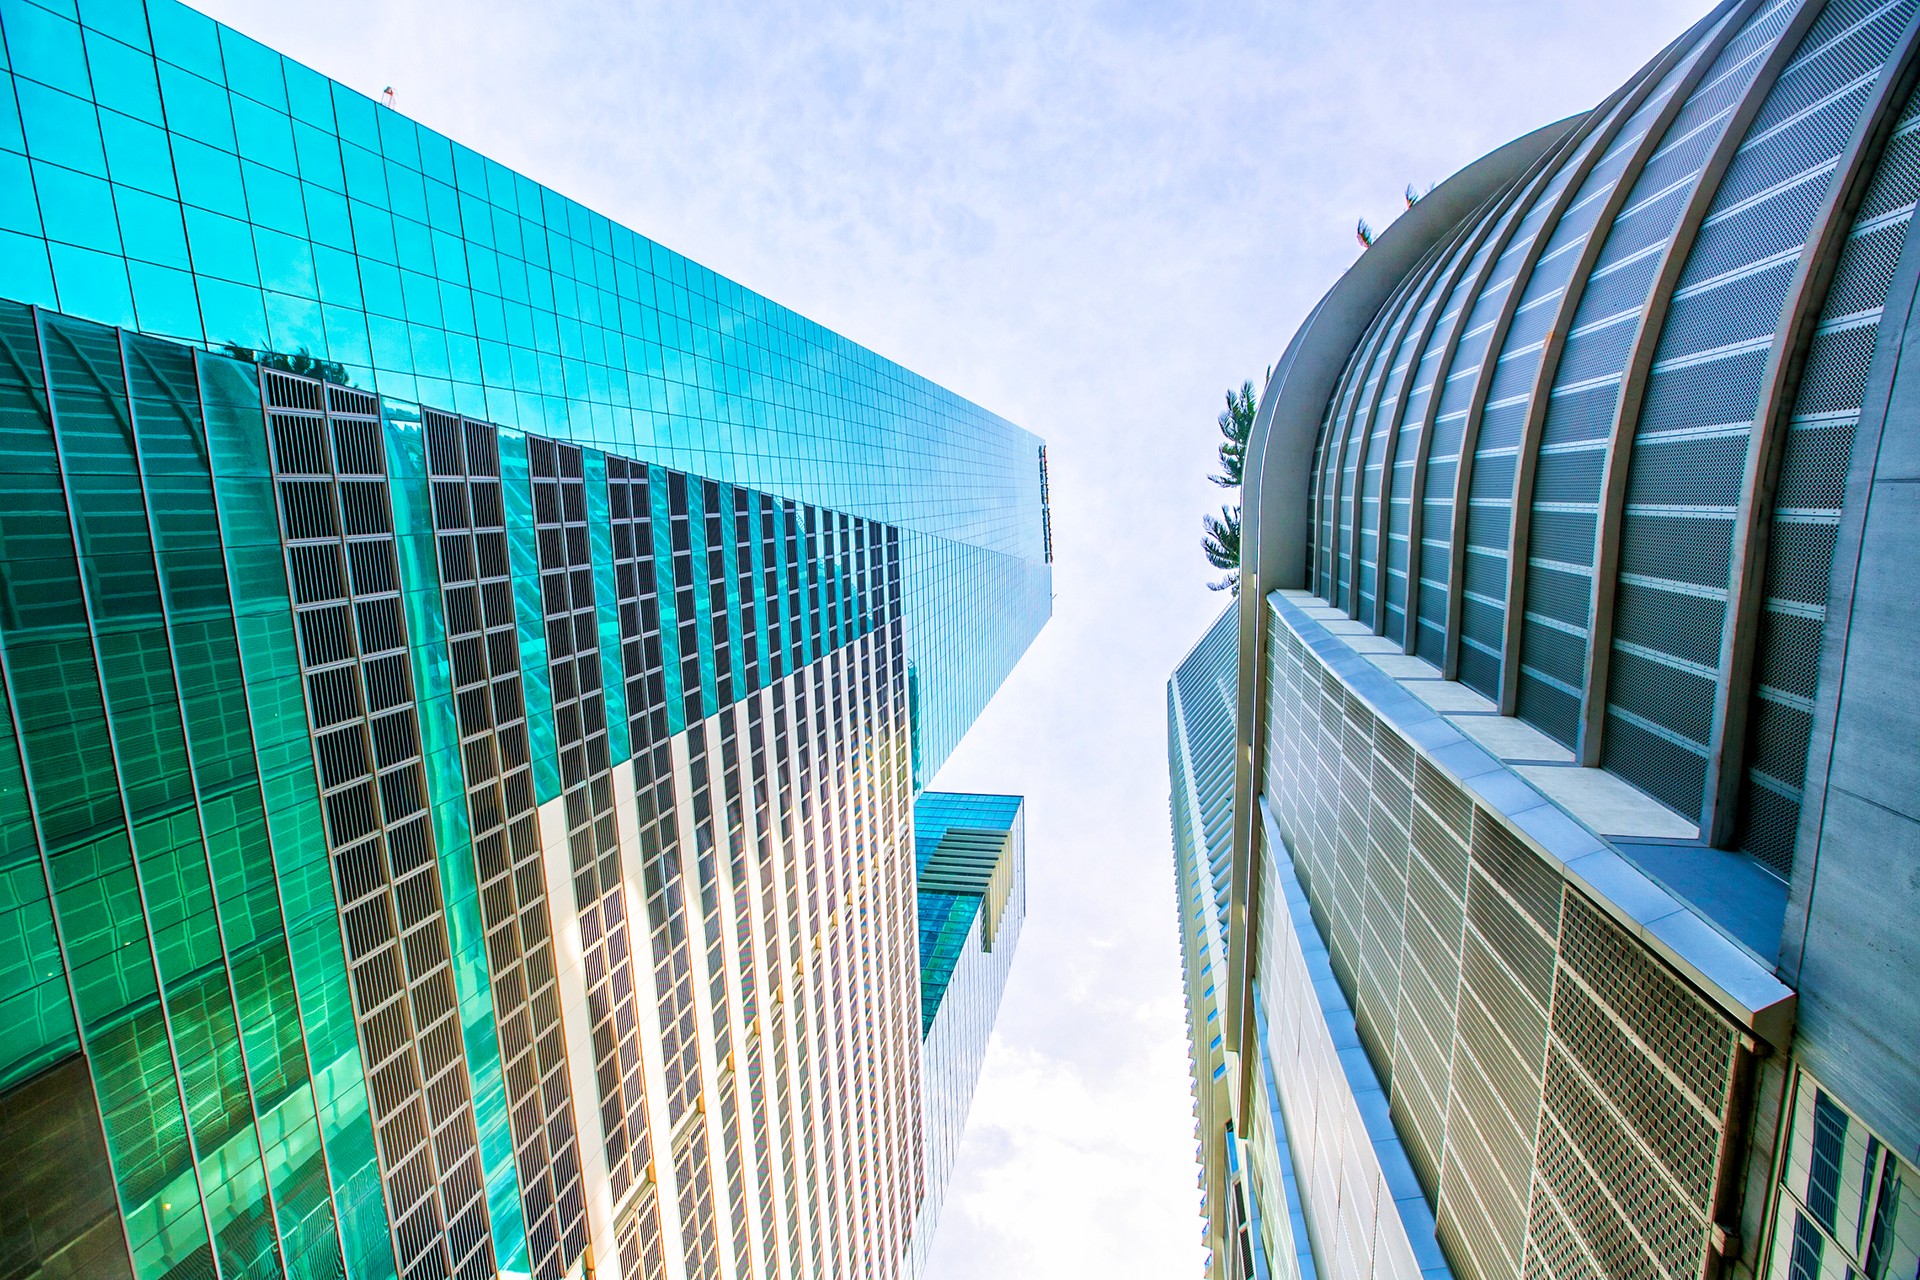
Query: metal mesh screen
<point x="330" y="476"/>
<point x="483" y="642"/>
<point x="1586" y="387"/>
<point x="557" y="476"/>
<point x="1561" y="1094"/>
<point x="1690" y="443"/>
<point x="1423" y="363"/>
<point x="1807" y="499"/>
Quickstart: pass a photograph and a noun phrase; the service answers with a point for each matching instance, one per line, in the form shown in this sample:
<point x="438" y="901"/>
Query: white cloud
<point x="1091" y="216"/>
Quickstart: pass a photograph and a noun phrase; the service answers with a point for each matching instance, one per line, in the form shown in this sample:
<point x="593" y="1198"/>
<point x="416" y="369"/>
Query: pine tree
<point x="1221" y="542"/>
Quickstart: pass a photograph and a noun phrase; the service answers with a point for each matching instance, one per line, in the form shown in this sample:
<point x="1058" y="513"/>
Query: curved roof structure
<point x="1576" y="712"/>
<point x="1587" y="454"/>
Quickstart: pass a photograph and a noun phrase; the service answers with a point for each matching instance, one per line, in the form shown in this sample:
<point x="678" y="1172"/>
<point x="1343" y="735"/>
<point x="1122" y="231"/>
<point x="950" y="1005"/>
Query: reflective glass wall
<point x="165" y="174"/>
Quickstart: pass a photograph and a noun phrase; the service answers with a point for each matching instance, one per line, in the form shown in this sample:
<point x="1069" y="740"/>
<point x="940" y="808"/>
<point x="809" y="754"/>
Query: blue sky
<point x="1091" y="218"/>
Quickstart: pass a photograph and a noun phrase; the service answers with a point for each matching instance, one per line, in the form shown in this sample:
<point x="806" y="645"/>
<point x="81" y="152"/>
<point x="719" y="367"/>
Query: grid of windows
<point x="567" y="588"/>
<point x="1846" y="1202"/>
<point x="182" y="179"/>
<point x="337" y="523"/>
<point x="484" y="651"/>
<point x="649" y="707"/>
<point x="421" y="651"/>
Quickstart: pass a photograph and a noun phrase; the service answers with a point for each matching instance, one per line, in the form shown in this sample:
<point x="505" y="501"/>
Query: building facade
<point x="1571" y="852"/>
<point x="469" y="675"/>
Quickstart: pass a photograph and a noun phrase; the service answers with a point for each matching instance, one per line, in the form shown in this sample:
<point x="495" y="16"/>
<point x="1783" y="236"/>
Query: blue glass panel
<point x="124" y="20"/>
<point x="185" y="38"/>
<point x="252" y="69"/>
<point x="327" y="218"/>
<point x="264" y="135"/>
<point x="318" y="153"/>
<point x="93" y="284"/>
<point x="165" y="301"/>
<point x="294" y="323"/>
<point x="285" y="262"/>
<point x="137" y="154"/>
<point x="45" y="47"/>
<point x="60" y="128"/>
<point x="79" y="209"/>
<point x="150" y="228"/>
<point x="222" y="247"/>
<point x="232" y="313"/>
<point x="209" y="177"/>
<point x="196" y="107"/>
<point x="11" y="137"/>
<point x="126" y="77"/>
<point x="346" y="329"/>
<point x="18" y="209"/>
<point x="25" y="275"/>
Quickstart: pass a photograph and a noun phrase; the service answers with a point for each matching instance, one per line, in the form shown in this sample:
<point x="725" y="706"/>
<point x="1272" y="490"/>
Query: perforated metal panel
<point x="1807" y="501"/>
<point x="483" y="641"/>
<point x="1690" y="443"/>
<point x="329" y="457"/>
<point x="1684" y="456"/>
<point x="1563" y="1096"/>
<point x="557" y="476"/>
<point x="1586" y="389"/>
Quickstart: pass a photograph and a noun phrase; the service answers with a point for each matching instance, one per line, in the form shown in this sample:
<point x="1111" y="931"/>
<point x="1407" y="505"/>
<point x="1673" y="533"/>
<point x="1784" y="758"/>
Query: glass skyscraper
<point x="1545" y="806"/>
<point x="470" y="679"/>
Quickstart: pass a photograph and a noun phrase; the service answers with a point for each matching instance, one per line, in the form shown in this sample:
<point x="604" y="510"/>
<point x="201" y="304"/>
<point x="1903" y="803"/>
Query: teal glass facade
<point x="165" y="174"/>
<point x="456" y="818"/>
<point x="970" y="877"/>
<point x="964" y="865"/>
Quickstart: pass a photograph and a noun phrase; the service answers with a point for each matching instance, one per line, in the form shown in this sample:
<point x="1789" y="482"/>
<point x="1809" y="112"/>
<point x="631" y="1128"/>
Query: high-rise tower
<point x="469" y="677"/>
<point x="1566" y="906"/>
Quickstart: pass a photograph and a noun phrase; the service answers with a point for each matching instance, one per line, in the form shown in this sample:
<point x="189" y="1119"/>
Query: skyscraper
<point x="1559" y="924"/>
<point x="470" y="676"/>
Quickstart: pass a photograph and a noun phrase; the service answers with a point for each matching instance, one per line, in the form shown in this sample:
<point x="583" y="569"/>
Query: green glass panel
<point x="242" y="478"/>
<point x="447" y="797"/>
<point x="600" y="536"/>
<point x="165" y="401"/>
<point x="516" y="495"/>
<point x="36" y="1011"/>
<point x="96" y="438"/>
<point x="662" y="524"/>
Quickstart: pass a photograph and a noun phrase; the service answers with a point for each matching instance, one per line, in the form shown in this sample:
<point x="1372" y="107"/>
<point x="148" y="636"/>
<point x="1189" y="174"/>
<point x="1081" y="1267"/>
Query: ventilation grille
<point x="1562" y="1095"/>
<point x="1807" y="499"/>
<point x="1691" y="442"/>
<point x="330" y="476"/>
<point x="483" y="642"/>
<point x="556" y="475"/>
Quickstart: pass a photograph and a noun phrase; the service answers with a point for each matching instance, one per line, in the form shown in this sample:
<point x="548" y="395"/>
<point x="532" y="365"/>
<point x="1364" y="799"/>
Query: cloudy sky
<point x="1091" y="216"/>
